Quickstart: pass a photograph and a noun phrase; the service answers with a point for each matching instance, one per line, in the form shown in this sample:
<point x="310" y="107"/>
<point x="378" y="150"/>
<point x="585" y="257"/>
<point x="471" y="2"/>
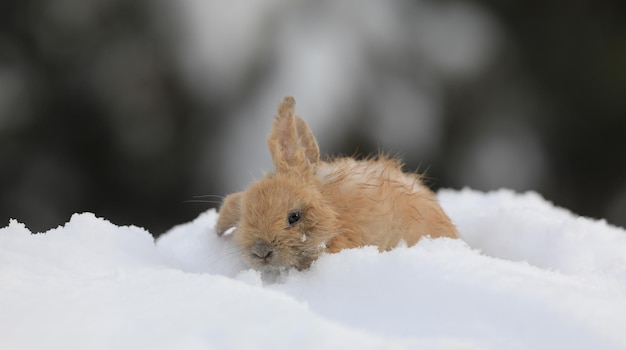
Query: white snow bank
<point x="527" y="275"/>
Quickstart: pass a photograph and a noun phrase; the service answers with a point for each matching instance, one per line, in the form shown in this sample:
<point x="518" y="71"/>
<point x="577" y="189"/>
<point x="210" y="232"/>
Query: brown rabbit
<point x="308" y="207"/>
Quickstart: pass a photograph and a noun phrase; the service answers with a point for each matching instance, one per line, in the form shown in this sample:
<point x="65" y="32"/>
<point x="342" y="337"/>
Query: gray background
<point x="130" y="108"/>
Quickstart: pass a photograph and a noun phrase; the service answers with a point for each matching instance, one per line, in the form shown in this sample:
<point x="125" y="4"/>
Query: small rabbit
<point x="309" y="207"/>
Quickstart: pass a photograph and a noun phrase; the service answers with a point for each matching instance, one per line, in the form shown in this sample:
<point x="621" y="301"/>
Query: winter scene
<point x="449" y="178"/>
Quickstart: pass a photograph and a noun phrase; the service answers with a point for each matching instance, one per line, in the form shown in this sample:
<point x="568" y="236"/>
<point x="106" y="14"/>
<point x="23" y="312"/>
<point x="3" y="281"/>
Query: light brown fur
<point x="343" y="203"/>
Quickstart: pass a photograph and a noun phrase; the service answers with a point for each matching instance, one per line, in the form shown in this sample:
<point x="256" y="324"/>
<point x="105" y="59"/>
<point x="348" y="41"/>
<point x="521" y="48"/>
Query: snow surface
<point x="526" y="275"/>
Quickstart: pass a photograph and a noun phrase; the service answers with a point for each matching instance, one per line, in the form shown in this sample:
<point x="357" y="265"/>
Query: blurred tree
<point x="99" y="112"/>
<point x="93" y="118"/>
<point x="575" y="56"/>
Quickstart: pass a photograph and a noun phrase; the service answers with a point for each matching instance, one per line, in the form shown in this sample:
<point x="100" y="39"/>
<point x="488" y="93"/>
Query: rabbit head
<point x="283" y="220"/>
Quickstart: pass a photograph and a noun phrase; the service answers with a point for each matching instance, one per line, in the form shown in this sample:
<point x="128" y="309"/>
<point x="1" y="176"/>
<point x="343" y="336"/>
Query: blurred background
<point x="129" y="109"/>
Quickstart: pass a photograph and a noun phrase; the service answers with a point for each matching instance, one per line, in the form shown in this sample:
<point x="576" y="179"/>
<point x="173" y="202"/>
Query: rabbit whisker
<point x="201" y="201"/>
<point x="208" y="195"/>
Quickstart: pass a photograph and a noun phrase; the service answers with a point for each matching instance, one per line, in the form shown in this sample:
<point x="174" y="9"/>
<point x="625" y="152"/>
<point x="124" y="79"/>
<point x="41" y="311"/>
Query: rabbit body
<point x="308" y="207"/>
<point x="385" y="204"/>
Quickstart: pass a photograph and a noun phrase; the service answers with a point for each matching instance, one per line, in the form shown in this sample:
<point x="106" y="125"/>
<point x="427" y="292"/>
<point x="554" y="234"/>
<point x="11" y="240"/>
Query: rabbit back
<point x="384" y="204"/>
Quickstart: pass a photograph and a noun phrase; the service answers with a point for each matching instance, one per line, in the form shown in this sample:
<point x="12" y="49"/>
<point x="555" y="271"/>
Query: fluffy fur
<point x="308" y="207"/>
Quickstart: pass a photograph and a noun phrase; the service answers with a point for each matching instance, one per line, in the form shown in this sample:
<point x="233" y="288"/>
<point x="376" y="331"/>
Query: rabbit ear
<point x="307" y="141"/>
<point x="291" y="142"/>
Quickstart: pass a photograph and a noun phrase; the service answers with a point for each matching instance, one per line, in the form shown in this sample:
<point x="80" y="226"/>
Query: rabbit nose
<point x="262" y="249"/>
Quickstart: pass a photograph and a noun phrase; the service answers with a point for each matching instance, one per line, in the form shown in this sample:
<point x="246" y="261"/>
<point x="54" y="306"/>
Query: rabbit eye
<point x="293" y="217"/>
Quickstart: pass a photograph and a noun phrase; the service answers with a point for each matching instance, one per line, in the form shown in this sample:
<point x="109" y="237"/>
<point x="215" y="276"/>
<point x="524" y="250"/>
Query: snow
<point x="526" y="275"/>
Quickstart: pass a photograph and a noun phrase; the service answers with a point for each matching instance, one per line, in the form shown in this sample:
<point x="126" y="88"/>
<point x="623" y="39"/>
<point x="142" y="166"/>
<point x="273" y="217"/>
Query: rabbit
<point x="308" y="207"/>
